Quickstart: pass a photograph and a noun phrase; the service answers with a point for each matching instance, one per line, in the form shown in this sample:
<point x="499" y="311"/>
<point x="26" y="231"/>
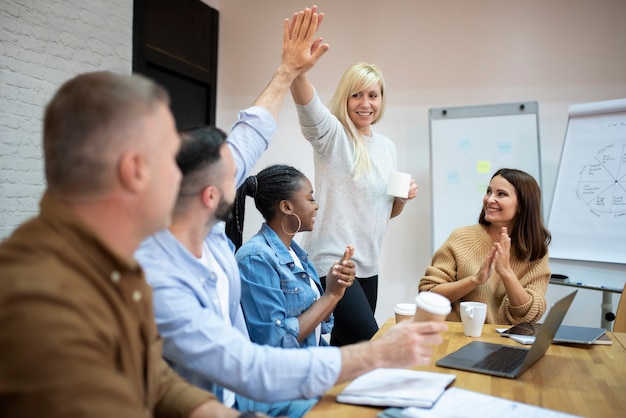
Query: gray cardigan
<point x="351" y="211"/>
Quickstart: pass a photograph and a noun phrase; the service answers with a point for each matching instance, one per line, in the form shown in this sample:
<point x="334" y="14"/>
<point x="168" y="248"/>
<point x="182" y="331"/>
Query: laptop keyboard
<point x="504" y="359"/>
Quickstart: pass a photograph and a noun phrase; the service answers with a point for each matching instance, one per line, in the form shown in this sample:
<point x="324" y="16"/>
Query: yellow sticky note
<point x="483" y="167"/>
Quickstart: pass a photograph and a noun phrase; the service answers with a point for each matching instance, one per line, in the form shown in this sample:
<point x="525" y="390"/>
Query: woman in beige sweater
<point x="501" y="261"/>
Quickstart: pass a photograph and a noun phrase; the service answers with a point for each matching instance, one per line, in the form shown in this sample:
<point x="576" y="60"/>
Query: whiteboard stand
<point x="607" y="314"/>
<point x="588" y="213"/>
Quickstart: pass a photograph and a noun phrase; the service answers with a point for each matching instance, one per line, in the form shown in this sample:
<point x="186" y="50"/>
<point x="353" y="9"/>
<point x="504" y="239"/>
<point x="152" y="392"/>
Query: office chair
<point x="620" y="316"/>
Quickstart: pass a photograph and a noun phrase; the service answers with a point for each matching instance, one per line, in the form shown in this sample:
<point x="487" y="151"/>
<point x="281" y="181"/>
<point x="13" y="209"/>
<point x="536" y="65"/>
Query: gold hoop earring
<point x="282" y="224"/>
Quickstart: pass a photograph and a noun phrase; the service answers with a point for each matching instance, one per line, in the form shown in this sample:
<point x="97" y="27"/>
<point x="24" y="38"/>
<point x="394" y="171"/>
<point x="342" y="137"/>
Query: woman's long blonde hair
<point x="357" y="78"/>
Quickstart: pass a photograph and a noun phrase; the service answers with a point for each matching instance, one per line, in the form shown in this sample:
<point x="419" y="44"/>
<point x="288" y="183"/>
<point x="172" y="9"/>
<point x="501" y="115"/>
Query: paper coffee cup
<point x="399" y="184"/>
<point x="404" y="311"/>
<point x="431" y="306"/>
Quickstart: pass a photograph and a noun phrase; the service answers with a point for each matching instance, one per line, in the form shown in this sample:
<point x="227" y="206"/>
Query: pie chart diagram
<point x="602" y="181"/>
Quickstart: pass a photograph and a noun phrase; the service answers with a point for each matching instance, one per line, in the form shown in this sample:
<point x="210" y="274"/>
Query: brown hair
<point x="529" y="237"/>
<point x="85" y="124"/>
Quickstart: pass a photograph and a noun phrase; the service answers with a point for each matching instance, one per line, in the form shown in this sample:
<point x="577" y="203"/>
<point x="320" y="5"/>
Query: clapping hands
<point x="497" y="259"/>
<point x="502" y="253"/>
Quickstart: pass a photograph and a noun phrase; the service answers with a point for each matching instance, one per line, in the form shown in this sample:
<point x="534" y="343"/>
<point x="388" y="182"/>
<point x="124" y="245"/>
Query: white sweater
<point x="351" y="211"/>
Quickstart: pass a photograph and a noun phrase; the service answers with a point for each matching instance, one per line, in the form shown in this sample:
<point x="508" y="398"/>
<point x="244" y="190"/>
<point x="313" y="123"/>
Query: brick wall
<point x="42" y="44"/>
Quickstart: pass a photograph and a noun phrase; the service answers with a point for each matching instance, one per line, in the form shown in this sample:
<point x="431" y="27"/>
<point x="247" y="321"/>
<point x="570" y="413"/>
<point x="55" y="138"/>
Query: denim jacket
<point x="275" y="291"/>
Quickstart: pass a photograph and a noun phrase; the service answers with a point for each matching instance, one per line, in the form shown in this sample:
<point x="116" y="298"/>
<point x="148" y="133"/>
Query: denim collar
<point x="282" y="252"/>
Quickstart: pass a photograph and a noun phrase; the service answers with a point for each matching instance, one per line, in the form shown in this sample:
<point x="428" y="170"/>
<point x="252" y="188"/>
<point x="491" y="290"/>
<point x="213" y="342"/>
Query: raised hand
<point x="341" y="274"/>
<point x="347" y="254"/>
<point x="299" y="54"/>
<point x="300" y="50"/>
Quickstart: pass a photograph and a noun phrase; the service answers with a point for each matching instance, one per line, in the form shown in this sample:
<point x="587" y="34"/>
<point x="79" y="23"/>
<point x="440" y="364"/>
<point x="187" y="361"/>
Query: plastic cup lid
<point x="433" y="302"/>
<point x="405" y="308"/>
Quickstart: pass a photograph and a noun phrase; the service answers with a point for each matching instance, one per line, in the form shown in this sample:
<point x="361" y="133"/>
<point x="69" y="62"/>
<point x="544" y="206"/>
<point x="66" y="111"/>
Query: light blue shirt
<point x="275" y="290"/>
<point x="197" y="342"/>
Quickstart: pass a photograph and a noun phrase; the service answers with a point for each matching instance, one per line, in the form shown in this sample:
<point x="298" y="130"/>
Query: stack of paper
<point x="396" y="387"/>
<point x="469" y="404"/>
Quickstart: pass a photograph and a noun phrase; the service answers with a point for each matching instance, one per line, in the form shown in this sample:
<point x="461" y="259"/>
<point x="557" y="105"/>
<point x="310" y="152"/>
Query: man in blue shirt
<point x="196" y="282"/>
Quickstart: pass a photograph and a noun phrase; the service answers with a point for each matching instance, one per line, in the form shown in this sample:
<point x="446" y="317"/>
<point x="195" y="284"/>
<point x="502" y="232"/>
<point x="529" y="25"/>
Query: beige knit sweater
<point x="462" y="255"/>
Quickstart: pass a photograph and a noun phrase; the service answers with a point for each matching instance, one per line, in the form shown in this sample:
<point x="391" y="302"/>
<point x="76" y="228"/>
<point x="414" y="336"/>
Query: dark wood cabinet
<point x="175" y="43"/>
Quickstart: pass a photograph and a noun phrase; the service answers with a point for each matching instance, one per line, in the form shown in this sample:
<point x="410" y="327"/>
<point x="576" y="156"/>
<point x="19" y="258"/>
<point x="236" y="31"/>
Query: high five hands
<point x="341" y="274"/>
<point x="298" y="35"/>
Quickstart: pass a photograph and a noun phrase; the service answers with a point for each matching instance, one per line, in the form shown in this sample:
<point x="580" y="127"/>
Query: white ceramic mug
<point x="399" y="184"/>
<point x="473" y="316"/>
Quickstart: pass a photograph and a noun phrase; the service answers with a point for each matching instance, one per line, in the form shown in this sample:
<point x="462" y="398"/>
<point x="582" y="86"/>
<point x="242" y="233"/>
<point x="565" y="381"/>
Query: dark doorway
<point x="175" y="43"/>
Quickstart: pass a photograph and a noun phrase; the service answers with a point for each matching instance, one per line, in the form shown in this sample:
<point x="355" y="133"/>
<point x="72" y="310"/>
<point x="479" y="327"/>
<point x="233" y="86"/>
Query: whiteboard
<point x="588" y="215"/>
<point x="467" y="145"/>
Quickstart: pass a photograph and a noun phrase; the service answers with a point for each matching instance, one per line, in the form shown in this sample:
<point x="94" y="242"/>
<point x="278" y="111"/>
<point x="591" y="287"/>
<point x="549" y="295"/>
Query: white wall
<point x="434" y="54"/>
<point x="42" y="44"/>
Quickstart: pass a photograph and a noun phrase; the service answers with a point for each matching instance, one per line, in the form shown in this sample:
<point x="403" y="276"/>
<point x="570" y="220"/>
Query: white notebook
<point x="396" y="387"/>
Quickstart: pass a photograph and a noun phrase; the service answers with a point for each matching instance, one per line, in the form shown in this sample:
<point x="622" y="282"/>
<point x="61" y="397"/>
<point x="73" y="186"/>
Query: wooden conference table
<point x="589" y="381"/>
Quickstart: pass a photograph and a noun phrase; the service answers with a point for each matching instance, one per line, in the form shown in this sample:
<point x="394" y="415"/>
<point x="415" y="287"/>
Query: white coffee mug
<point x="399" y="184"/>
<point x="473" y="316"/>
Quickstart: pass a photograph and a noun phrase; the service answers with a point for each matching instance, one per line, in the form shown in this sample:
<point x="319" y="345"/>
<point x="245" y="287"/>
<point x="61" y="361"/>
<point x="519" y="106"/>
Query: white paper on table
<point x="396" y="387"/>
<point x="456" y="402"/>
<point x="522" y="339"/>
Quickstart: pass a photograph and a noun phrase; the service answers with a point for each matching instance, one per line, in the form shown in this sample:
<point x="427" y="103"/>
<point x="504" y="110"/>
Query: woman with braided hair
<point x="281" y="294"/>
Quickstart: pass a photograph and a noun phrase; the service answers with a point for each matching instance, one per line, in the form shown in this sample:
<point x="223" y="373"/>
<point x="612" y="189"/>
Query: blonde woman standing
<point x="352" y="167"/>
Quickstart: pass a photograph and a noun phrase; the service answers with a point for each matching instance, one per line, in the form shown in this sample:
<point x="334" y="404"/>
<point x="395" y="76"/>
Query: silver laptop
<point x="505" y="360"/>
<point x="566" y="334"/>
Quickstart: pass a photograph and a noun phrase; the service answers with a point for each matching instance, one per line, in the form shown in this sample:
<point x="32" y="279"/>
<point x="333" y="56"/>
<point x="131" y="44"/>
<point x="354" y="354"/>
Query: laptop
<point x="505" y="360"/>
<point x="566" y="334"/>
